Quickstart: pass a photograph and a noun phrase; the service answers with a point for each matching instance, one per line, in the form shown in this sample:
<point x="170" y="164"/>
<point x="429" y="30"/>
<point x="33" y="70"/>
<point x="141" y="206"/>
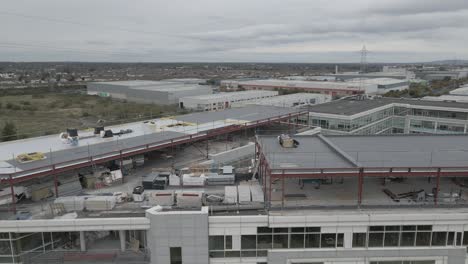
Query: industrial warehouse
<point x="220" y="101"/>
<point x="244" y="185"/>
<point x="333" y="88"/>
<point x="158" y="92"/>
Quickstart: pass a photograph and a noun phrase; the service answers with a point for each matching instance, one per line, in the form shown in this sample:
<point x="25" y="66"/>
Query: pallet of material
<point x="100" y="203"/>
<point x="72" y="203"/>
<point x="230" y="195"/>
<point x="189" y="199"/>
<point x="257" y="193"/>
<point x="162" y="198"/>
<point x="174" y="180"/>
<point x="216" y="179"/>
<point x="70" y="188"/>
<point x="41" y="191"/>
<point x="244" y="194"/>
<point x="148" y="180"/>
<point x="189" y="180"/>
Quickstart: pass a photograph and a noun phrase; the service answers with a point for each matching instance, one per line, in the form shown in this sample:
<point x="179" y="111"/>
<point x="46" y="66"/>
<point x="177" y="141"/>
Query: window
<point x="359" y="239"/>
<point x="423" y="239"/>
<point x="459" y="238"/>
<point x="450" y="238"/>
<point x="439" y="238"/>
<point x="216" y="242"/>
<point x="391" y="239"/>
<point x="297" y="241"/>
<point x="407" y="239"/>
<point x="265" y="241"/>
<point x="312" y="240"/>
<point x="339" y="240"/>
<point x="280" y="241"/>
<point x="248" y="242"/>
<point x="228" y="242"/>
<point x="375" y="239"/>
<point x="175" y="255"/>
<point x="328" y="240"/>
<point x="465" y="238"/>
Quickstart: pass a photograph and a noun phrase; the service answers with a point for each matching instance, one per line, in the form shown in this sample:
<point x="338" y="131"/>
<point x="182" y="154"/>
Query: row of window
<point x="311" y="237"/>
<point x="403" y="262"/>
<point x="281" y="238"/>
<point x="407" y="236"/>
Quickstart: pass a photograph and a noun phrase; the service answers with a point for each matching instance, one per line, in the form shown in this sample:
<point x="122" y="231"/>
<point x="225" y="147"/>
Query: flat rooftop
<point x="233" y="95"/>
<point x="349" y="106"/>
<point x="150" y="134"/>
<point x="303" y="84"/>
<point x="379" y="81"/>
<point x="389" y="151"/>
<point x="164" y="85"/>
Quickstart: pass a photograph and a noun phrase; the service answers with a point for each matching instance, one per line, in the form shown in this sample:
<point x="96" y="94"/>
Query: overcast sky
<point x="233" y="30"/>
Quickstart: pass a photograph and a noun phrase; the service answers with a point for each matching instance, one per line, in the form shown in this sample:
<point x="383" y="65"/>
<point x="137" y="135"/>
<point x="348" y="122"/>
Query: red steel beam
<point x="360" y="183"/>
<point x="436" y="194"/>
<point x="132" y="151"/>
<point x="13" y="196"/>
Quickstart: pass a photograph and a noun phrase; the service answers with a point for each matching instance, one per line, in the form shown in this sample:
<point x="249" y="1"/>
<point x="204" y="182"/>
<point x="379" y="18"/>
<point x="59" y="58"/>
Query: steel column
<point x="282" y="190"/>
<point x="56" y="185"/>
<point x="121" y="166"/>
<point x="436" y="194"/>
<point x="269" y="192"/>
<point x="360" y="185"/>
<point x="13" y="196"/>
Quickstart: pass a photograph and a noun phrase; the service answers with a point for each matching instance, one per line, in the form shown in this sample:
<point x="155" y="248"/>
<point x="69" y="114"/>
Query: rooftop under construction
<point x="62" y="153"/>
<point x="416" y="162"/>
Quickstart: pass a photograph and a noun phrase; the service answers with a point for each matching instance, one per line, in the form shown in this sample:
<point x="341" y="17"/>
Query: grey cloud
<point x="230" y="30"/>
<point x="397" y="7"/>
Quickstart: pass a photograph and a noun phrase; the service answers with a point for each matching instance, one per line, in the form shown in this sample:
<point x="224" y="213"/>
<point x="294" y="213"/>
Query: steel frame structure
<point x="267" y="175"/>
<point x="56" y="168"/>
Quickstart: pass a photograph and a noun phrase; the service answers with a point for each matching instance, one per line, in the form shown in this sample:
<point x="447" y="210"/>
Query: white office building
<point x="213" y="102"/>
<point x="289" y="100"/>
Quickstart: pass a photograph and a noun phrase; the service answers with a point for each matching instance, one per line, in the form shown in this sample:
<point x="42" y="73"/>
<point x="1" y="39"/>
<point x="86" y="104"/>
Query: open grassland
<point x="52" y="112"/>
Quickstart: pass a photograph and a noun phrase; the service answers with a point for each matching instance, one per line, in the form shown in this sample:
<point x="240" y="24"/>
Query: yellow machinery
<point x="30" y="157"/>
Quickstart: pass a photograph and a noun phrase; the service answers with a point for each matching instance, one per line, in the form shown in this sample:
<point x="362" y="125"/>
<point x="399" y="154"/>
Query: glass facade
<point x="16" y="247"/>
<point x="392" y="120"/>
<point x="274" y="238"/>
<point x="406" y="236"/>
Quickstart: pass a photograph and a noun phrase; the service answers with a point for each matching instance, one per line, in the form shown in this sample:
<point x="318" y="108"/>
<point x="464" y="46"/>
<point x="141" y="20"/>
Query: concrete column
<point x="407" y="124"/>
<point x="122" y="240"/>
<point x="82" y="241"/>
<point x="435" y="126"/>
<point x="348" y="240"/>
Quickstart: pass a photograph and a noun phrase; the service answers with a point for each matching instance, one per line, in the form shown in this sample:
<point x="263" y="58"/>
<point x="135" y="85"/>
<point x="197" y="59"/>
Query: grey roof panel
<point x="350" y="107"/>
<point x="369" y="151"/>
<point x="249" y="113"/>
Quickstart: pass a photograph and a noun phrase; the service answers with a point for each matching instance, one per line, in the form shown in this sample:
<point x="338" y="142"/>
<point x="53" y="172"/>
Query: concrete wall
<point x="185" y="229"/>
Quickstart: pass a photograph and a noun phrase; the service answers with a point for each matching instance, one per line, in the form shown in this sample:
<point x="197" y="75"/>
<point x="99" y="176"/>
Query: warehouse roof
<point x="351" y="106"/>
<point x="318" y="151"/>
<point x="232" y="95"/>
<point x="302" y="84"/>
<point x="164" y="85"/>
<point x="378" y="81"/>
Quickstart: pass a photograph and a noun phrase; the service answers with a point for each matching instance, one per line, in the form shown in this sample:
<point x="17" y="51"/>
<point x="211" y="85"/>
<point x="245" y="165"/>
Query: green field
<point x="46" y="113"/>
